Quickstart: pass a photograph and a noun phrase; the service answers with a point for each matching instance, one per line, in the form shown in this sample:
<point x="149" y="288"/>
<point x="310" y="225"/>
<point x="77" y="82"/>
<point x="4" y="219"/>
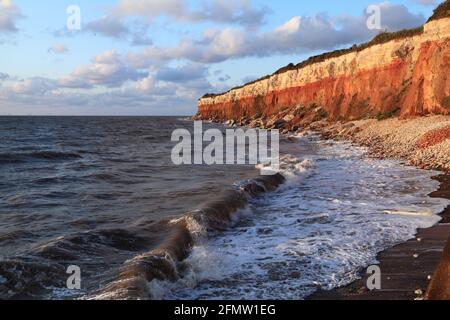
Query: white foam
<point x="410" y="213"/>
<point x="197" y="229"/>
<point x="319" y="231"/>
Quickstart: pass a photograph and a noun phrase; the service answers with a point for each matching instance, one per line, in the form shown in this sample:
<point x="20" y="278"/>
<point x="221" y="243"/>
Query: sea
<point x="102" y="194"/>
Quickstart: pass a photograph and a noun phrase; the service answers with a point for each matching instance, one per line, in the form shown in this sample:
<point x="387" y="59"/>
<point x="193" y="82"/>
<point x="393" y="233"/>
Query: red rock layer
<point x="434" y="137"/>
<point x="404" y="86"/>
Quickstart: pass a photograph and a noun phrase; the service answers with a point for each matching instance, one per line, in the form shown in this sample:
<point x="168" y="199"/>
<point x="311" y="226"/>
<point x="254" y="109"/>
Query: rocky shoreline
<point x="391" y="96"/>
<point x="421" y="141"/>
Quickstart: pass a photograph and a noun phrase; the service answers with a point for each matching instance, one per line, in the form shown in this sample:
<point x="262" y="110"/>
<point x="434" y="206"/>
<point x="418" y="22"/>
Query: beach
<point x="407" y="270"/>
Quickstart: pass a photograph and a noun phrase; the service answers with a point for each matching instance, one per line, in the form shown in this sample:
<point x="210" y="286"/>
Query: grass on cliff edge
<point x="442" y="11"/>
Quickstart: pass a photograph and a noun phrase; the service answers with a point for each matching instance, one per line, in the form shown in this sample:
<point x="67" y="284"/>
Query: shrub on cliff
<point x="442" y="11"/>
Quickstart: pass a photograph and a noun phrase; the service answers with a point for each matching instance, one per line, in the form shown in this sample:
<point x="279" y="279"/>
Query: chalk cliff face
<point x="408" y="76"/>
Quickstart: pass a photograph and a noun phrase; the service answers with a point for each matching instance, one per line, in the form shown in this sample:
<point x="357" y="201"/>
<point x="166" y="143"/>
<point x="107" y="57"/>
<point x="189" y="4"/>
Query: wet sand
<point x="407" y="269"/>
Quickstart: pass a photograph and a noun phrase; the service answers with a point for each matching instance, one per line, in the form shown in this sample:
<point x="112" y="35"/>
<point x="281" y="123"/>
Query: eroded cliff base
<point x="421" y="141"/>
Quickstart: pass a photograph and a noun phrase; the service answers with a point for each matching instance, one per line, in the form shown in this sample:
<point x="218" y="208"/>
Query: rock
<point x="288" y="118"/>
<point x="348" y="125"/>
<point x="279" y="124"/>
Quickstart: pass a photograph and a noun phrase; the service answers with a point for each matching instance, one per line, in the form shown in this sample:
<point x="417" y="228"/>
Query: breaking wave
<point x="118" y="210"/>
<point x="304" y="236"/>
<point x="142" y="276"/>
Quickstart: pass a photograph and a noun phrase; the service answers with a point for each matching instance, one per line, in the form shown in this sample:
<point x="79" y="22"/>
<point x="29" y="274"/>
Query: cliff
<point x="405" y="73"/>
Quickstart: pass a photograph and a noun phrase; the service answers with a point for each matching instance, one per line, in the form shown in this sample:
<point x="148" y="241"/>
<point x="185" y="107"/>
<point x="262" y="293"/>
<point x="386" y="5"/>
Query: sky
<point x="157" y="57"/>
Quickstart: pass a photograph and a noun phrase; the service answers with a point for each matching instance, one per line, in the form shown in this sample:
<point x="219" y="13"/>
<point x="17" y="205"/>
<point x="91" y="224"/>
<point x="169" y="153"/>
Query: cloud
<point x="427" y="2"/>
<point x="184" y="73"/>
<point x="231" y="11"/>
<point x="221" y="11"/>
<point x="117" y="28"/>
<point x="58" y="48"/>
<point x="167" y="90"/>
<point x="148" y="94"/>
<point x="108" y="26"/>
<point x="107" y="69"/>
<point x="35" y="86"/>
<point x="150" y="9"/>
<point x="9" y="14"/>
<point x="175" y="76"/>
<point x="73" y="82"/>
<point x="298" y="35"/>
<point x="397" y="17"/>
<point x="141" y="39"/>
<point x="4" y="76"/>
<point x="130" y="19"/>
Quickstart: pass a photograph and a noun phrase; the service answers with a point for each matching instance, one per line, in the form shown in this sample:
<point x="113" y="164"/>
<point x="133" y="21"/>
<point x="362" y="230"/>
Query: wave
<point x="164" y="263"/>
<point x="28" y="280"/>
<point x="155" y="250"/>
<point x="8" y="158"/>
<point x="165" y="243"/>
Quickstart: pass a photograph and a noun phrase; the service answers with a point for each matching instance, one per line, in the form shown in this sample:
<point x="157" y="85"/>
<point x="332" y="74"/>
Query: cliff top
<point x="442" y="11"/>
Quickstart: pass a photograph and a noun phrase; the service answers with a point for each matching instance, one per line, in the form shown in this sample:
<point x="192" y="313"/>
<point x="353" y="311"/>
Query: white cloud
<point x="291" y="26"/>
<point x="130" y="19"/>
<point x="231" y="11"/>
<point x="9" y="14"/>
<point x="222" y="11"/>
<point x="298" y="35"/>
<point x="396" y="17"/>
<point x="188" y="72"/>
<point x="3" y="76"/>
<point x="107" y="69"/>
<point x="150" y="8"/>
<point x="108" y="26"/>
<point x="117" y="28"/>
<point x="33" y="86"/>
<point x="147" y="95"/>
<point x="73" y="82"/>
<point x="175" y="76"/>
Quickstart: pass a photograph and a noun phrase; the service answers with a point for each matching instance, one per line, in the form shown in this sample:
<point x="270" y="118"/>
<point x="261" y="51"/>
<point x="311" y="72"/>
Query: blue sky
<point x="156" y="57"/>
